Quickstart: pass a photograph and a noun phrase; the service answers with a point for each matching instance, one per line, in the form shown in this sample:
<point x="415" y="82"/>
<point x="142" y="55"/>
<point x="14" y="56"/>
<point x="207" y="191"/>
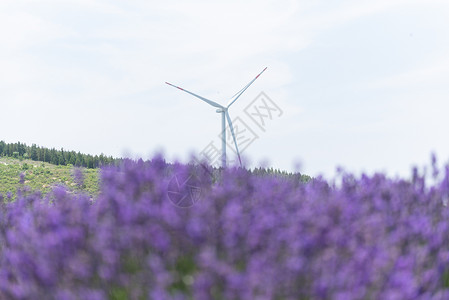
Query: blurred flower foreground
<point x="247" y="237"/>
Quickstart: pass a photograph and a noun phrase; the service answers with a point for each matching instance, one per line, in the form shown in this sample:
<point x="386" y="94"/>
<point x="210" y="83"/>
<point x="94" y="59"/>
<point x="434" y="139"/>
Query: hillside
<point x="43" y="168"/>
<point x="43" y="176"/>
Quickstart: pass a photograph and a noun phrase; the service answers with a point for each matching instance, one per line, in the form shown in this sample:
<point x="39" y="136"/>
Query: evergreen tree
<point x="33" y="151"/>
<point x="2" y="148"/>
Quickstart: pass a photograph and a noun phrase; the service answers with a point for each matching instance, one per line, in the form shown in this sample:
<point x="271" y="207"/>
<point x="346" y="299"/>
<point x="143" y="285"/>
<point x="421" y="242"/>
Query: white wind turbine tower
<point x="224" y="115"/>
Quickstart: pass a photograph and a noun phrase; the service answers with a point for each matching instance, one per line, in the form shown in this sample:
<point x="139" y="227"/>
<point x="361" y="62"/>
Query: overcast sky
<point x="358" y="84"/>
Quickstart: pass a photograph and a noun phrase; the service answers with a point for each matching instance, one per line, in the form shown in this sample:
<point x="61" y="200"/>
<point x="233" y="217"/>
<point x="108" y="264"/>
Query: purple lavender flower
<point x="22" y="178"/>
<point x="250" y="237"/>
<point x="78" y="176"/>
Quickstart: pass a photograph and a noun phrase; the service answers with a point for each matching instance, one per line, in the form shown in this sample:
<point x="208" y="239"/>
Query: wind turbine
<point x="224" y="115"/>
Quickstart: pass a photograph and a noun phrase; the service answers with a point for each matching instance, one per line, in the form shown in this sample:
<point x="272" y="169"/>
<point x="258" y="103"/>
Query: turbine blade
<point x="215" y="104"/>
<point x="239" y="93"/>
<point x="233" y="136"/>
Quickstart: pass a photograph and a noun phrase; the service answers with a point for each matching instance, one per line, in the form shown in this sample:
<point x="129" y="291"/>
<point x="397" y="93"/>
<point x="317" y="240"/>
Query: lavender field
<point x="241" y="236"/>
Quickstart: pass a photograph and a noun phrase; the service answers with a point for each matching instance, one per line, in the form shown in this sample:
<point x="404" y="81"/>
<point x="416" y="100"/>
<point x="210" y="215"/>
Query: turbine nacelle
<point x="221" y="110"/>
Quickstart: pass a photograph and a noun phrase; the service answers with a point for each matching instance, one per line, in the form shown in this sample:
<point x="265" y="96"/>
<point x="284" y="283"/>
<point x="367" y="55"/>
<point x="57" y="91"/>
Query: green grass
<point x="43" y="176"/>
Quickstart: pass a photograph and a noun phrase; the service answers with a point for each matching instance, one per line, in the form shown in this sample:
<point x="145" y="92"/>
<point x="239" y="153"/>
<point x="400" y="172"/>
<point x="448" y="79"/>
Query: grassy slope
<point x="42" y="176"/>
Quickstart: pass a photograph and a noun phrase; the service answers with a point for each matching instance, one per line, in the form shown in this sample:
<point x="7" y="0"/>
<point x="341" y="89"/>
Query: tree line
<point x="53" y="156"/>
<point x="63" y="157"/>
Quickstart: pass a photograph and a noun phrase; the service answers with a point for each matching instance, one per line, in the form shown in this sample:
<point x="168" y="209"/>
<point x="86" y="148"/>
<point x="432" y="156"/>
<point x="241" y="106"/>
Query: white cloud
<point x="105" y="62"/>
<point x="321" y="15"/>
<point x="434" y="75"/>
